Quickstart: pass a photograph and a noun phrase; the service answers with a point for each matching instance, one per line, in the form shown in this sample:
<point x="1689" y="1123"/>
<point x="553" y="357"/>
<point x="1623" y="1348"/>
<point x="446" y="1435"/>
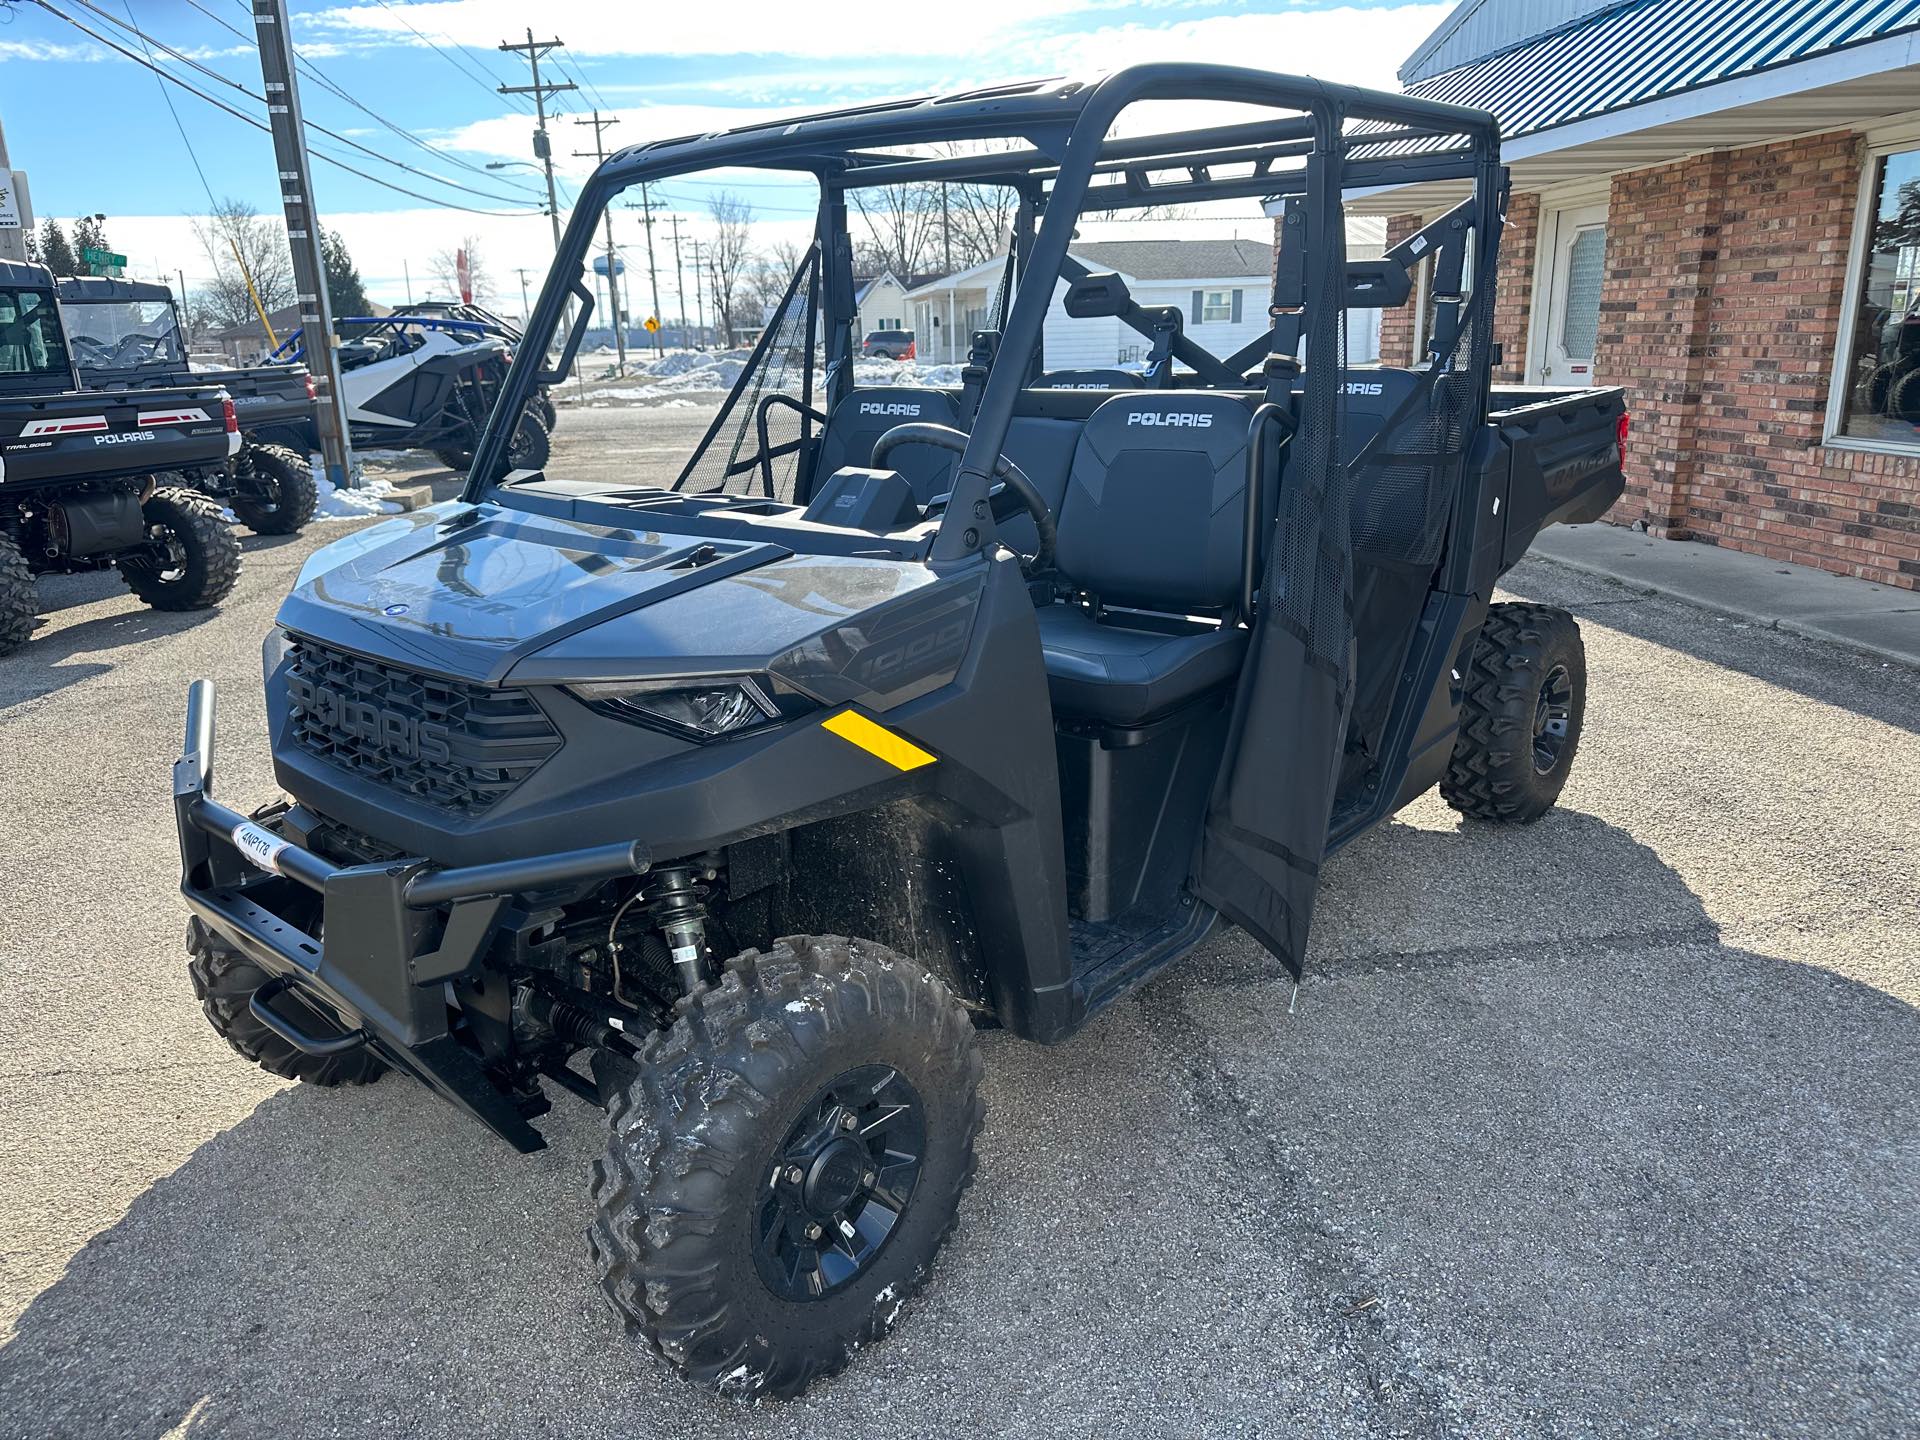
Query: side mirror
<point x="557" y="374"/>
<point x="1097" y="295"/>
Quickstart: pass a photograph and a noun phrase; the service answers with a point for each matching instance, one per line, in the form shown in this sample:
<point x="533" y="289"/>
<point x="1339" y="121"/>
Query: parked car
<point x="888" y="345"/>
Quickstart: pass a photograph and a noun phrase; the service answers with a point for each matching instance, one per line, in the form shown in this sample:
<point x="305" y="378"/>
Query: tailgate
<point x="104" y="435"/>
<point x="1564" y="450"/>
<point x="266" y="394"/>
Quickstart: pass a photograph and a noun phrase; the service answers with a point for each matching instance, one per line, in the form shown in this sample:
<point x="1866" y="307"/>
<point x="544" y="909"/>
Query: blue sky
<point x="94" y="134"/>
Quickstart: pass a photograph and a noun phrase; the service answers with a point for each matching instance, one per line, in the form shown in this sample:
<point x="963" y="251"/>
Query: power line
<point x="261" y="125"/>
<point x="167" y="95"/>
<point x="329" y="84"/>
<point x="150" y="40"/>
<point x="489" y="84"/>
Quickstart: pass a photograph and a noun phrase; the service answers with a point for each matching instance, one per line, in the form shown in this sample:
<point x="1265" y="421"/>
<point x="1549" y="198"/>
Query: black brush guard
<point x="396" y="932"/>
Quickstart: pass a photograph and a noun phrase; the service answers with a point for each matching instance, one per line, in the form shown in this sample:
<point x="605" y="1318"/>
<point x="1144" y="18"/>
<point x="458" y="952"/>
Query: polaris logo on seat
<point x="887" y="407"/>
<point x="1364" y="387"/>
<point x="1191" y="419"/>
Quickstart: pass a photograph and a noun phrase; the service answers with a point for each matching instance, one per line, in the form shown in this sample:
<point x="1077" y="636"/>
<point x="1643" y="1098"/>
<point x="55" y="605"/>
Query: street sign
<point x="103" y="262"/>
<point x="653" y="326"/>
<point x="9" y="201"/>
<point x="600" y="265"/>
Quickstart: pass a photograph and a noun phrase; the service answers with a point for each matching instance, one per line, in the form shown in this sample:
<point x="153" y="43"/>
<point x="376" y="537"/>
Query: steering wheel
<point x="1017" y="485"/>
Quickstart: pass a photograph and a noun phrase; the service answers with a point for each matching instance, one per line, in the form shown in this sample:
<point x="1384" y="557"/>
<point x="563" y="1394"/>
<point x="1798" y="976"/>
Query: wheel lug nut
<point x="849" y="1121"/>
<point x="794" y="1177"/>
<point x="814" y="1232"/>
<point x="868" y="1178"/>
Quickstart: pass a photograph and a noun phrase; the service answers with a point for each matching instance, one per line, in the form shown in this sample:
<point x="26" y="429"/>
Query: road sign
<point x="103" y="262"/>
<point x="600" y="265"/>
<point x="9" y="201"/>
<point x="653" y="326"/>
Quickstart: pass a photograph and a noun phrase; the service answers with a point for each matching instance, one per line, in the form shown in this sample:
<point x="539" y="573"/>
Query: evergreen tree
<point x="88" y="234"/>
<point x="345" y="293"/>
<point x="55" y="253"/>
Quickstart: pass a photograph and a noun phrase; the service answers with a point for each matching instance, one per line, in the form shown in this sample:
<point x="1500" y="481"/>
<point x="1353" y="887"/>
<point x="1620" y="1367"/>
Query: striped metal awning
<point x="1653" y="49"/>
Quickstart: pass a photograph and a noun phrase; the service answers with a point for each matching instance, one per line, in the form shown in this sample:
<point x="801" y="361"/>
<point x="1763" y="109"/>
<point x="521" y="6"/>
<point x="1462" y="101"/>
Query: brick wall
<point x="1396" y="326"/>
<point x="1725" y="278"/>
<point x="1513" y="286"/>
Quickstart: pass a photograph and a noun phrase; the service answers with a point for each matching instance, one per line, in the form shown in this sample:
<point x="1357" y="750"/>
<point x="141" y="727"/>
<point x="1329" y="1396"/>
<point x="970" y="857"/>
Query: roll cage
<point x="1336" y="138"/>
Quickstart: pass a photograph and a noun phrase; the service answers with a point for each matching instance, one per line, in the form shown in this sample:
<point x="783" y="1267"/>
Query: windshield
<point x="124" y="334"/>
<point x="30" y="335"/>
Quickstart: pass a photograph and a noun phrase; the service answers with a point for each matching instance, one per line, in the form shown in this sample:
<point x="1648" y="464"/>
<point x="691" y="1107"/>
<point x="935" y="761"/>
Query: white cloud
<point x="655" y="30"/>
<point x="48" y="50"/>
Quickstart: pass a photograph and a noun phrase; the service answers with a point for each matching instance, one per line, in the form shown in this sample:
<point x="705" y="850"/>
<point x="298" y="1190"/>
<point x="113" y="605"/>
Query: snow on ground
<point x="369" y="498"/>
<point x="710" y="374"/>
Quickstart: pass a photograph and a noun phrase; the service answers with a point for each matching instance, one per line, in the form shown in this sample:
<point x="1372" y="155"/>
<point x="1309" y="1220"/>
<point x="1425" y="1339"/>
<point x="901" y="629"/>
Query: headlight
<point x="701" y="709"/>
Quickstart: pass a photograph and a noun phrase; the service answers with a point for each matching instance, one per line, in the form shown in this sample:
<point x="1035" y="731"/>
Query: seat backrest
<point x="865" y="415"/>
<point x="1154" y="510"/>
<point x="1090" y="380"/>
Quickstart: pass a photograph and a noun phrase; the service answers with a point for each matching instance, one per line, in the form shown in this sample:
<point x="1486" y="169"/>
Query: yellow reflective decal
<point x="898" y="752"/>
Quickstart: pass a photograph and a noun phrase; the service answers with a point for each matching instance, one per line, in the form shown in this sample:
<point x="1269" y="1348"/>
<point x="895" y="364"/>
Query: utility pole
<point x="645" y="207"/>
<point x="303" y="231"/>
<point x="526" y="309"/>
<point x="679" y="280"/>
<point x="14" y="205"/>
<point x="599" y="153"/>
<point x="542" y="147"/>
<point x="699" y="303"/>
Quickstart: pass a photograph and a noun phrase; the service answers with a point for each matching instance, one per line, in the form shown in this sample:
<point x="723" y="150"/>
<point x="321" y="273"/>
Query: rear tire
<point x="288" y="495"/>
<point x="203" y="562"/>
<point x="19" y="598"/>
<point x="224" y="981"/>
<point x="1520" y="719"/>
<point x="732" y="1276"/>
<point x="1903" y="402"/>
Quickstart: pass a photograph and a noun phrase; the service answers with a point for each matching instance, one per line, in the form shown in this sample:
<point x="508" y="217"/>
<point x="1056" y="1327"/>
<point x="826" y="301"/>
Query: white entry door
<point x="1576" y="261"/>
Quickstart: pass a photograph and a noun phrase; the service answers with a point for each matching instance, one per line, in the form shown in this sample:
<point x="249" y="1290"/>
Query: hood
<point x="470" y="590"/>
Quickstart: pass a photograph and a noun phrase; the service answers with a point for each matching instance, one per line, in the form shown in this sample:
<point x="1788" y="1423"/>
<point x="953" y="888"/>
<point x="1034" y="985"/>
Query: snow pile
<point x="337" y="504"/>
<point x="905" y="372"/>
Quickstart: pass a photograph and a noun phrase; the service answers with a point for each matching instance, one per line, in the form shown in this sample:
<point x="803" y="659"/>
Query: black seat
<point x="865" y="415"/>
<point x="1151" y="521"/>
<point x="1091" y="380"/>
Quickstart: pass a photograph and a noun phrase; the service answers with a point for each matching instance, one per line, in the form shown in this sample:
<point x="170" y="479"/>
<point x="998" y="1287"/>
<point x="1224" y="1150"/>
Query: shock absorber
<point x="674" y="902"/>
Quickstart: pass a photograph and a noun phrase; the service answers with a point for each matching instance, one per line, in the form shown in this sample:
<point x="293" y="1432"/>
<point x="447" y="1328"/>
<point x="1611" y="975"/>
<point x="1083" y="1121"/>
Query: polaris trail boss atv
<point x="735" y="804"/>
<point x="427" y="382"/>
<point x="88" y="480"/>
<point x="127" y="335"/>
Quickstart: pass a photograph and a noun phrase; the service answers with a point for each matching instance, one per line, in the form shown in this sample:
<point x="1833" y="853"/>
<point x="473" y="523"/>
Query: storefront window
<point x="1882" y="372"/>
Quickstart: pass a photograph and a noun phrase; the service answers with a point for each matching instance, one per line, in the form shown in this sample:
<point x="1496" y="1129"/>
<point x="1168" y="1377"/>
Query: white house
<point x="1221" y="288"/>
<point x="880" y="303"/>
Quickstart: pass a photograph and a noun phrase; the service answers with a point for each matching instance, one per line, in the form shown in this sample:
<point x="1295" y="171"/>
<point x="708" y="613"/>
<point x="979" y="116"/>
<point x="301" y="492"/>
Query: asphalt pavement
<point x="1599" y="1127"/>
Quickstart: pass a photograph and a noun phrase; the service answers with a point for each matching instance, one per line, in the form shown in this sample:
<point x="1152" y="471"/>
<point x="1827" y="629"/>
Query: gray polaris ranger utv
<point x="734" y="801"/>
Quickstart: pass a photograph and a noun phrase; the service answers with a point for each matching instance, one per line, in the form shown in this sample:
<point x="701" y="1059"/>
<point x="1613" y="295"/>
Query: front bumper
<point x="395" y="933"/>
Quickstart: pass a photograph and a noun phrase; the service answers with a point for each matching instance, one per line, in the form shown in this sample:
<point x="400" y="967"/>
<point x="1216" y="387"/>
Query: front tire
<point x="192" y="560"/>
<point x="224" y="981"/>
<point x="1520" y="719"/>
<point x="284" y="493"/>
<point x="786" y="1166"/>
<point x="19" y="597"/>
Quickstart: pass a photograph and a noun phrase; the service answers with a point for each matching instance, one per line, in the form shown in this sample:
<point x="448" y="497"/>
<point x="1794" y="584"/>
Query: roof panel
<point x="1656" y="48"/>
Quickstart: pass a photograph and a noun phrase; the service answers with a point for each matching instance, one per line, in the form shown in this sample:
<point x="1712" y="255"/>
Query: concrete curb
<point x="1874" y="620"/>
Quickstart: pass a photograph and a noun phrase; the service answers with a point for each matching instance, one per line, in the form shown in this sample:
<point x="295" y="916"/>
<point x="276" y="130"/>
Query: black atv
<point x="736" y="807"/>
<point x="127" y="335"/>
<point x="1891" y="386"/>
<point x="84" y="475"/>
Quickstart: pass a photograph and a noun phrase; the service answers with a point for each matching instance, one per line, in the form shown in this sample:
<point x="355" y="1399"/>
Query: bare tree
<point x="445" y="269"/>
<point x="903" y="229"/>
<point x="770" y="273"/>
<point x="240" y="242"/>
<point x="727" y="257"/>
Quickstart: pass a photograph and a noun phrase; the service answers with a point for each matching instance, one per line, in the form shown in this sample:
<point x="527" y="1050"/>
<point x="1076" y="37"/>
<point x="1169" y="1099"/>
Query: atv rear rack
<point x="381" y="966"/>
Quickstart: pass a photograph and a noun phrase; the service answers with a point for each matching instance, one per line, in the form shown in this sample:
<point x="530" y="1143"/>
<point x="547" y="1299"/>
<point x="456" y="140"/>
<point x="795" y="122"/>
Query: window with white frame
<point x="1216" y="305"/>
<point x="1878" y="371"/>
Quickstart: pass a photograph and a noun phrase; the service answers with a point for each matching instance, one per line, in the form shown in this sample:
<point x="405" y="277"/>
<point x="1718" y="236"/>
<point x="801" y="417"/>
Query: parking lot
<point x="1604" y="1126"/>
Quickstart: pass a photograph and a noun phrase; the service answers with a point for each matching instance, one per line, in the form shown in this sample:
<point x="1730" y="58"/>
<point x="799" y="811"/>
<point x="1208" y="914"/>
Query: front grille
<point x="447" y="743"/>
